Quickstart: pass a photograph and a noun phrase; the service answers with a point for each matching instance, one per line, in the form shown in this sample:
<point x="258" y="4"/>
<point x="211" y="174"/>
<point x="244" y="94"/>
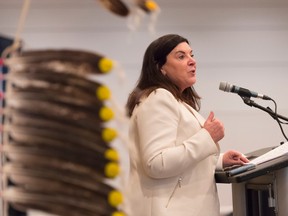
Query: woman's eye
<point x="192" y="55"/>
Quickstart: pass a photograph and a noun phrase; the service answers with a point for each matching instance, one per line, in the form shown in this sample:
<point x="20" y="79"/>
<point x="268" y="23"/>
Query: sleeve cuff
<point x="219" y="165"/>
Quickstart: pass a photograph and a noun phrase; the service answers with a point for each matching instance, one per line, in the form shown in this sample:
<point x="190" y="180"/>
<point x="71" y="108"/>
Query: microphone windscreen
<point x="224" y="86"/>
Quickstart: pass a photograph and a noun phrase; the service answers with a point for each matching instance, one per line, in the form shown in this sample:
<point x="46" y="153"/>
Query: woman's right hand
<point x="214" y="127"/>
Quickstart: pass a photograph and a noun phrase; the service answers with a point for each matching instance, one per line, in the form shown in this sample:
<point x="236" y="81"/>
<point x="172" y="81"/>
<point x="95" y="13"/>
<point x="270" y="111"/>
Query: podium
<point x="262" y="191"/>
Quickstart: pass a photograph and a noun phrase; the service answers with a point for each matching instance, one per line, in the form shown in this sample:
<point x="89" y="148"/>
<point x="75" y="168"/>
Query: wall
<point x="241" y="42"/>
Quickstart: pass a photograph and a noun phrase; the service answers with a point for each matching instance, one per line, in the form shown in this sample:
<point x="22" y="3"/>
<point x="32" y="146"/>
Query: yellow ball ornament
<point x="103" y="93"/>
<point x="118" y="214"/>
<point x="105" y="65"/>
<point x="106" y="114"/>
<point x="109" y="134"/>
<point x="112" y="169"/>
<point x="115" y="198"/>
<point x="151" y="5"/>
<point x="111" y="154"/>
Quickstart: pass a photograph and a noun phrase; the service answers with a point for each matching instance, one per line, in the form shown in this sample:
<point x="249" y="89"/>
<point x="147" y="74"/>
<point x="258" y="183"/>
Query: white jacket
<point x="172" y="160"/>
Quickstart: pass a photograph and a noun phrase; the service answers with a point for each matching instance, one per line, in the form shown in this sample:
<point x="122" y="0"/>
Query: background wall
<point x="242" y="42"/>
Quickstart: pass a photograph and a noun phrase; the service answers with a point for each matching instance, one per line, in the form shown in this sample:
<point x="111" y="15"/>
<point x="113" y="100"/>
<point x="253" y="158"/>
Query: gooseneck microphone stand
<point x="274" y="115"/>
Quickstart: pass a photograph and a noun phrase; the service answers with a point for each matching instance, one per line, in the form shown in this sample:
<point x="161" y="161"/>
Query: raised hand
<point x="214" y="127"/>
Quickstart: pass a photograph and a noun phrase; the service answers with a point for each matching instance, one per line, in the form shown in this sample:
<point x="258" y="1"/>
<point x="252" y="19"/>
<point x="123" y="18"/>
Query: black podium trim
<point x="261" y="169"/>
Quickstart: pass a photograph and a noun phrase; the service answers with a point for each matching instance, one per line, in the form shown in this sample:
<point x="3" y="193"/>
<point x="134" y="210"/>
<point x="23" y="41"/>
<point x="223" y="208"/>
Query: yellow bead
<point x="105" y="65"/>
<point x="151" y="5"/>
<point x="103" y="93"/>
<point x="118" y="214"/>
<point x="115" y="198"/>
<point x="109" y="134"/>
<point x="111" y="154"/>
<point x="106" y="114"/>
<point x="112" y="169"/>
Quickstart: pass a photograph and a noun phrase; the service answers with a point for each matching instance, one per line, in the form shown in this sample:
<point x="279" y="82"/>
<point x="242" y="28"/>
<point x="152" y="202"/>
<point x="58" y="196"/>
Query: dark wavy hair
<point x="151" y="77"/>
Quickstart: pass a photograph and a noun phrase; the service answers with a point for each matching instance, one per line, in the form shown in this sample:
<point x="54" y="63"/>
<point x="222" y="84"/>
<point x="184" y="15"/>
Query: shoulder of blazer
<point x="161" y="96"/>
<point x="158" y="96"/>
<point x="161" y="92"/>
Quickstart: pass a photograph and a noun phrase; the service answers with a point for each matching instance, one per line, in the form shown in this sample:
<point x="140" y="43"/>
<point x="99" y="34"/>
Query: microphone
<point x="226" y="87"/>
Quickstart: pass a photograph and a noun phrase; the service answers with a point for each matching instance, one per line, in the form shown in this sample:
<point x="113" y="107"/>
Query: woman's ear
<point x="163" y="71"/>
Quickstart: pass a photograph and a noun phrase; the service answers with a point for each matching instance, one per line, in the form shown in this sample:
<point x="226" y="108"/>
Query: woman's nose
<point x="191" y="61"/>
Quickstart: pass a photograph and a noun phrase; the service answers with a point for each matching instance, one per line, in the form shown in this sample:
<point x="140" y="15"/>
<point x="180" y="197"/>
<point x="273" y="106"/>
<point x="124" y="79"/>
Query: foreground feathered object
<point x="75" y="62"/>
<point x="141" y="9"/>
<point x="147" y="5"/>
<point x="115" y="6"/>
<point x="55" y="146"/>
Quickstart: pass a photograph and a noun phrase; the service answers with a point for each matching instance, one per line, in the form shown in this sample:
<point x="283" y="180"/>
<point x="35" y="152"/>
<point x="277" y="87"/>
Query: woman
<point x="174" y="150"/>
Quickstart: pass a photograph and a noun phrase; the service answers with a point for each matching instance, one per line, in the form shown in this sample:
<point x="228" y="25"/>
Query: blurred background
<point x="244" y="43"/>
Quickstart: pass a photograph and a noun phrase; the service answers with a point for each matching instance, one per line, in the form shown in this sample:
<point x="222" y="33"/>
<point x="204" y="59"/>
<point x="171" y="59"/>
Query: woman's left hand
<point x="232" y="157"/>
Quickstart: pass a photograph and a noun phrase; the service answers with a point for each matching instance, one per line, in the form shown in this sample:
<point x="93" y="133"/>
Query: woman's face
<point x="180" y="66"/>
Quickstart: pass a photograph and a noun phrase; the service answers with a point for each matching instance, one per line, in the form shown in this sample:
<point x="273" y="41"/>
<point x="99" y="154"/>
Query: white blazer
<point x="172" y="160"/>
